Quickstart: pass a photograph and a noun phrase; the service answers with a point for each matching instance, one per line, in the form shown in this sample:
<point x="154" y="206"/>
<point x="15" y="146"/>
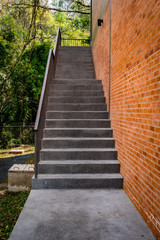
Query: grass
<point x="11" y="205"/>
<point x="4" y="153"/>
<point x="30" y="161"/>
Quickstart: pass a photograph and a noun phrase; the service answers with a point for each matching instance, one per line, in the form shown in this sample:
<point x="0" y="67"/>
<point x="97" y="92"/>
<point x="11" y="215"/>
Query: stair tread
<point x="81" y="176"/>
<point x="74" y="119"/>
<point x="77" y="90"/>
<point x="68" y="79"/>
<point x="77" y="138"/>
<point x="88" y="97"/>
<point x="59" y="162"/>
<point x="75" y="104"/>
<point x="79" y="84"/>
<point x="91" y="129"/>
<point x="79" y="111"/>
<point x="78" y="149"/>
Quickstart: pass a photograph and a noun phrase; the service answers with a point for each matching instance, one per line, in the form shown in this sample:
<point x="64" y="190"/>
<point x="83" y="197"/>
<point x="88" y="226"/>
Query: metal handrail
<point x="43" y="90"/>
<point x="75" y="42"/>
<point x="48" y="77"/>
<point x="41" y="113"/>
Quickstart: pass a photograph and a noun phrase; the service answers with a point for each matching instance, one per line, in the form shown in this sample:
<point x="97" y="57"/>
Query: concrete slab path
<point x="80" y="215"/>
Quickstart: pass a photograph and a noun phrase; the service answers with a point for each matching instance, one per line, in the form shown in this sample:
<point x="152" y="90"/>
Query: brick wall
<point x="135" y="97"/>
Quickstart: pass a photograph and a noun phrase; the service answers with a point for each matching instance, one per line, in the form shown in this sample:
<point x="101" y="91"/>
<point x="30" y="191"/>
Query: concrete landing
<point x="80" y="215"/>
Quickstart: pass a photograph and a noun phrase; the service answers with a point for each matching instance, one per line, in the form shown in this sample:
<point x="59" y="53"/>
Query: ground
<point x="11" y="204"/>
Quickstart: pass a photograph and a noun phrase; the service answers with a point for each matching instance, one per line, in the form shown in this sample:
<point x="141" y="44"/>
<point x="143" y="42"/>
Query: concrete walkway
<point x="80" y="215"/>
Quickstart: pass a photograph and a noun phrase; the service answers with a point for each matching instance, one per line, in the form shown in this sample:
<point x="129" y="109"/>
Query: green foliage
<point x="5" y="139"/>
<point x="27" y="32"/>
<point x="11" y="205"/>
<point x="28" y="136"/>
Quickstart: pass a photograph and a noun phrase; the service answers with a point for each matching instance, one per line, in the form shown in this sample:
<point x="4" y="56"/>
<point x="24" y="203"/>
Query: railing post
<point x="36" y="154"/>
<point x="109" y="100"/>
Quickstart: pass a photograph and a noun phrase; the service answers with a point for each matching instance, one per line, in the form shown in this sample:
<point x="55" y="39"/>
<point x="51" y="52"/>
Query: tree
<point x="27" y="30"/>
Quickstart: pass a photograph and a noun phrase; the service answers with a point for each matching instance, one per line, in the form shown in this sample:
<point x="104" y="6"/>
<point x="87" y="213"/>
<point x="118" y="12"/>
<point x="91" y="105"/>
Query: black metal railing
<point x="75" y="42"/>
<point x="49" y="75"/>
<point x="41" y="113"/>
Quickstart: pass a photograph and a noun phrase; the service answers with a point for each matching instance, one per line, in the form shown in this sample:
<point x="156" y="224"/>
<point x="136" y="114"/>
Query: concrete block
<point x="20" y="177"/>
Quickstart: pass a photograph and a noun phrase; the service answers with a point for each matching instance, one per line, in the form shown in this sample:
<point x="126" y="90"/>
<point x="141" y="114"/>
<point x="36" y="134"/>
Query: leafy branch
<point x="50" y="8"/>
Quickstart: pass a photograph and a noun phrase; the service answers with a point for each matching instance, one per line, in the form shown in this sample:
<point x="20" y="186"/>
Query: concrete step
<point x="75" y="166"/>
<point x="75" y="48"/>
<point x="78" y="154"/>
<point x="76" y="65"/>
<point x="76" y="81"/>
<point x="75" y="99"/>
<point x="77" y="142"/>
<point x="63" y="60"/>
<point x="77" y="93"/>
<point x="75" y="76"/>
<point x="76" y="107"/>
<point x="75" y="53"/>
<point x="77" y="132"/>
<point x="71" y="72"/>
<point x="75" y="56"/>
<point x="77" y="181"/>
<point x="81" y="61"/>
<point x="76" y="87"/>
<point x="77" y="115"/>
<point x="77" y="123"/>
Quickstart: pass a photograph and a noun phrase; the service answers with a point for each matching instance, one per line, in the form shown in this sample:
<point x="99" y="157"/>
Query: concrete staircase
<point x="78" y="150"/>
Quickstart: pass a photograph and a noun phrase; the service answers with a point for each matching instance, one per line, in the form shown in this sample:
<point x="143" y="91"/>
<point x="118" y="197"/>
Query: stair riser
<point x="77" y="133"/>
<point x="70" y="107"/>
<point x="75" y="48"/>
<point x="86" y="87"/>
<point x="77" y="183"/>
<point x="71" y="62"/>
<point x="78" y="155"/>
<point x="74" y="93"/>
<point x="76" y="67"/>
<point x="75" y="55"/>
<point x="78" y="143"/>
<point x="77" y="115"/>
<point x="76" y="81"/>
<point x="72" y="72"/>
<point x="77" y="124"/>
<point x="76" y="76"/>
<point x="79" y="168"/>
<point x="75" y="52"/>
<point x="79" y="100"/>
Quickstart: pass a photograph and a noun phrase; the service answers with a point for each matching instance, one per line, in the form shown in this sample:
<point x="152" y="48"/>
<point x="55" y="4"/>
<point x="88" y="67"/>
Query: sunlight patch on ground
<point x="4" y="153"/>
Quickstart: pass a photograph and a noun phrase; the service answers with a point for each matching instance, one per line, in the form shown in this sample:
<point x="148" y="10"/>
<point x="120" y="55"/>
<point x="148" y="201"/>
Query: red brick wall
<point x="135" y="97"/>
